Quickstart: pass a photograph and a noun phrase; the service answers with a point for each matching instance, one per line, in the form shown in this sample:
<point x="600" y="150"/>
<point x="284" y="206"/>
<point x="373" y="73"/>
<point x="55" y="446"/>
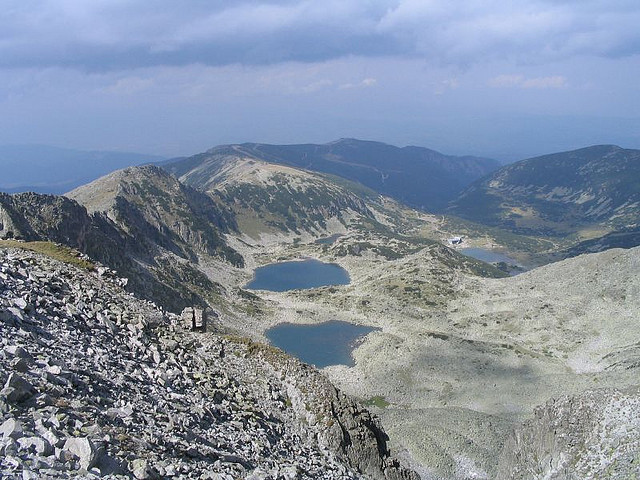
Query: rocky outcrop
<point x="98" y="383"/>
<point x="594" y="435"/>
<point x="156" y="209"/>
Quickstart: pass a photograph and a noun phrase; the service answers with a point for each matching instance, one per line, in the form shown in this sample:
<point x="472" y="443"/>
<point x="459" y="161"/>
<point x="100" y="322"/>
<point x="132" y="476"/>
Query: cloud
<point x="119" y="35"/>
<point x="557" y="81"/>
<point x="129" y="86"/>
<point x="366" y="83"/>
<point x="520" y="81"/>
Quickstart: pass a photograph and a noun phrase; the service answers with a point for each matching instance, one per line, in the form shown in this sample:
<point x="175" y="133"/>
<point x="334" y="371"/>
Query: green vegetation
<point x="376" y="401"/>
<point x="51" y="250"/>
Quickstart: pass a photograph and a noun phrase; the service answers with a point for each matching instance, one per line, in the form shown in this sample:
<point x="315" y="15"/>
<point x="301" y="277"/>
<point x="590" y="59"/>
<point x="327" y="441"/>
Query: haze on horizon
<point x="502" y="79"/>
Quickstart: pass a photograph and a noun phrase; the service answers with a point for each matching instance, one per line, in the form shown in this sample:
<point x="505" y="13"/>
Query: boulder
<point x="17" y="389"/>
<point x="84" y="449"/>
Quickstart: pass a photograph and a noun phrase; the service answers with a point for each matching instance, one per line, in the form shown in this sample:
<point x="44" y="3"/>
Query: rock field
<point x="97" y="383"/>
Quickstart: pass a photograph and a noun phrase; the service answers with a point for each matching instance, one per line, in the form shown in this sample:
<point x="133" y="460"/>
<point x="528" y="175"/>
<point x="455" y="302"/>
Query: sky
<point x="504" y="79"/>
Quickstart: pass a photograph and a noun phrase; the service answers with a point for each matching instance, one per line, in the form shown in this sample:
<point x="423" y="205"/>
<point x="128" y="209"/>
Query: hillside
<point x="47" y="169"/>
<point x="154" y="231"/>
<point x="588" y="192"/>
<point x="275" y="199"/>
<point x="98" y="383"/>
<point x="458" y="376"/>
<point x="152" y="206"/>
<point x="416" y="176"/>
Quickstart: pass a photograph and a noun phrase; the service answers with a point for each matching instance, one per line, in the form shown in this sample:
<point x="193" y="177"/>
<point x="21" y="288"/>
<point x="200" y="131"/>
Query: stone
<point x="20" y="303"/>
<point x="140" y="469"/>
<point x="17" y="389"/>
<point x="200" y="319"/>
<point x="187" y="317"/>
<point x="18" y="352"/>
<point x="84" y="449"/>
<point x="38" y="445"/>
<point x="11" y="428"/>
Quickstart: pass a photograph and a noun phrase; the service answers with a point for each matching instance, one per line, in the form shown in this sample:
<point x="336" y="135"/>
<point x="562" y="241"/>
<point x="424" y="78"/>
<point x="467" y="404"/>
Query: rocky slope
<point x="156" y="210"/>
<point x="413" y="175"/>
<point x="98" y="383"/>
<point x="590" y="191"/>
<point x="140" y="221"/>
<point x="592" y="435"/>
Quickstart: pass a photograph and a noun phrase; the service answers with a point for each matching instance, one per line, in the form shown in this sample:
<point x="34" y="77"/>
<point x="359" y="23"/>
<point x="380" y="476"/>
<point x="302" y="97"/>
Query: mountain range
<point x="416" y="176"/>
<point x="469" y="369"/>
<point x="590" y="191"/>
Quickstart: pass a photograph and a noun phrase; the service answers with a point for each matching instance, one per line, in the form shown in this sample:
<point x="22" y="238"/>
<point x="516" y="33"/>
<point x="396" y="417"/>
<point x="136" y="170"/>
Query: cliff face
<point x="594" y="435"/>
<point x="98" y="382"/>
<point x="155" y="208"/>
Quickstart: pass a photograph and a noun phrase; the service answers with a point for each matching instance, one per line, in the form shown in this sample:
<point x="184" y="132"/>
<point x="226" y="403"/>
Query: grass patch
<point x="377" y="401"/>
<point x="51" y="250"/>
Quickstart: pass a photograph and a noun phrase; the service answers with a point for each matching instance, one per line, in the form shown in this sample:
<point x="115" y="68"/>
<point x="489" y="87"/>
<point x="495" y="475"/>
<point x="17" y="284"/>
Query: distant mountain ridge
<point x="416" y="176"/>
<point x="271" y="198"/>
<point x="561" y="193"/>
<point x="47" y="169"/>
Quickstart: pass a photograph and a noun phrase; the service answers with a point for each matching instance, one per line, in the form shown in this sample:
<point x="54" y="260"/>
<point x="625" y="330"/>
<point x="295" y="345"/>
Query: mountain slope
<point x="413" y="175"/>
<point x="153" y="206"/>
<point x="591" y="188"/>
<point x="141" y="222"/>
<point x="270" y="198"/>
<point x="98" y="383"/>
<point x="46" y="169"/>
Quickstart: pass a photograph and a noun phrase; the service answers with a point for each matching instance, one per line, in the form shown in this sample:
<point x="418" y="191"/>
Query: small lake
<point x="280" y="277"/>
<point x="488" y="256"/>
<point x="324" y="344"/>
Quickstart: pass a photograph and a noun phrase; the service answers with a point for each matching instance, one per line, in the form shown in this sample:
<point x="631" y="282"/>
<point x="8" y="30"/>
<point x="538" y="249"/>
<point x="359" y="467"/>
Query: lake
<point x="323" y="344"/>
<point x="280" y="277"/>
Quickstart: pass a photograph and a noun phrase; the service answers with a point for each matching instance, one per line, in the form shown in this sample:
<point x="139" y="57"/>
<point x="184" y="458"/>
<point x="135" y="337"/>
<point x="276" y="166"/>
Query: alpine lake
<point x="323" y="344"/>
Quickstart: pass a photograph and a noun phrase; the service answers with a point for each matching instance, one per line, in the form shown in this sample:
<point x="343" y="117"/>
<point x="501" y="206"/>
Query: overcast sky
<point x="499" y="78"/>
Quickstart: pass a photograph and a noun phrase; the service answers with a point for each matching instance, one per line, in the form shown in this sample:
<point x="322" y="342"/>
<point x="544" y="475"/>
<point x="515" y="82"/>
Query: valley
<point x="459" y="359"/>
<point x="462" y="355"/>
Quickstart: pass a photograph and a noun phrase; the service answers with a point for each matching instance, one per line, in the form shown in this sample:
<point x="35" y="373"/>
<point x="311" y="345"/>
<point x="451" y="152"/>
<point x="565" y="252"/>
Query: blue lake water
<point x="488" y="256"/>
<point x="280" y="277"/>
<point x="324" y="344"/>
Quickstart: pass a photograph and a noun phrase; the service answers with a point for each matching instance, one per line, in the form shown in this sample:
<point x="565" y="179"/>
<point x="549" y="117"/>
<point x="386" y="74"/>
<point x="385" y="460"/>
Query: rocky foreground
<point x="100" y="384"/>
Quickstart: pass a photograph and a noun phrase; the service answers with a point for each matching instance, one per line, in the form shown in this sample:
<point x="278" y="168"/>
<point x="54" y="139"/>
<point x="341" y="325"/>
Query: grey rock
<point x="20" y="303"/>
<point x="19" y="352"/>
<point x="11" y="428"/>
<point x="140" y="469"/>
<point x="17" y="389"/>
<point x="39" y="445"/>
<point x="84" y="449"/>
